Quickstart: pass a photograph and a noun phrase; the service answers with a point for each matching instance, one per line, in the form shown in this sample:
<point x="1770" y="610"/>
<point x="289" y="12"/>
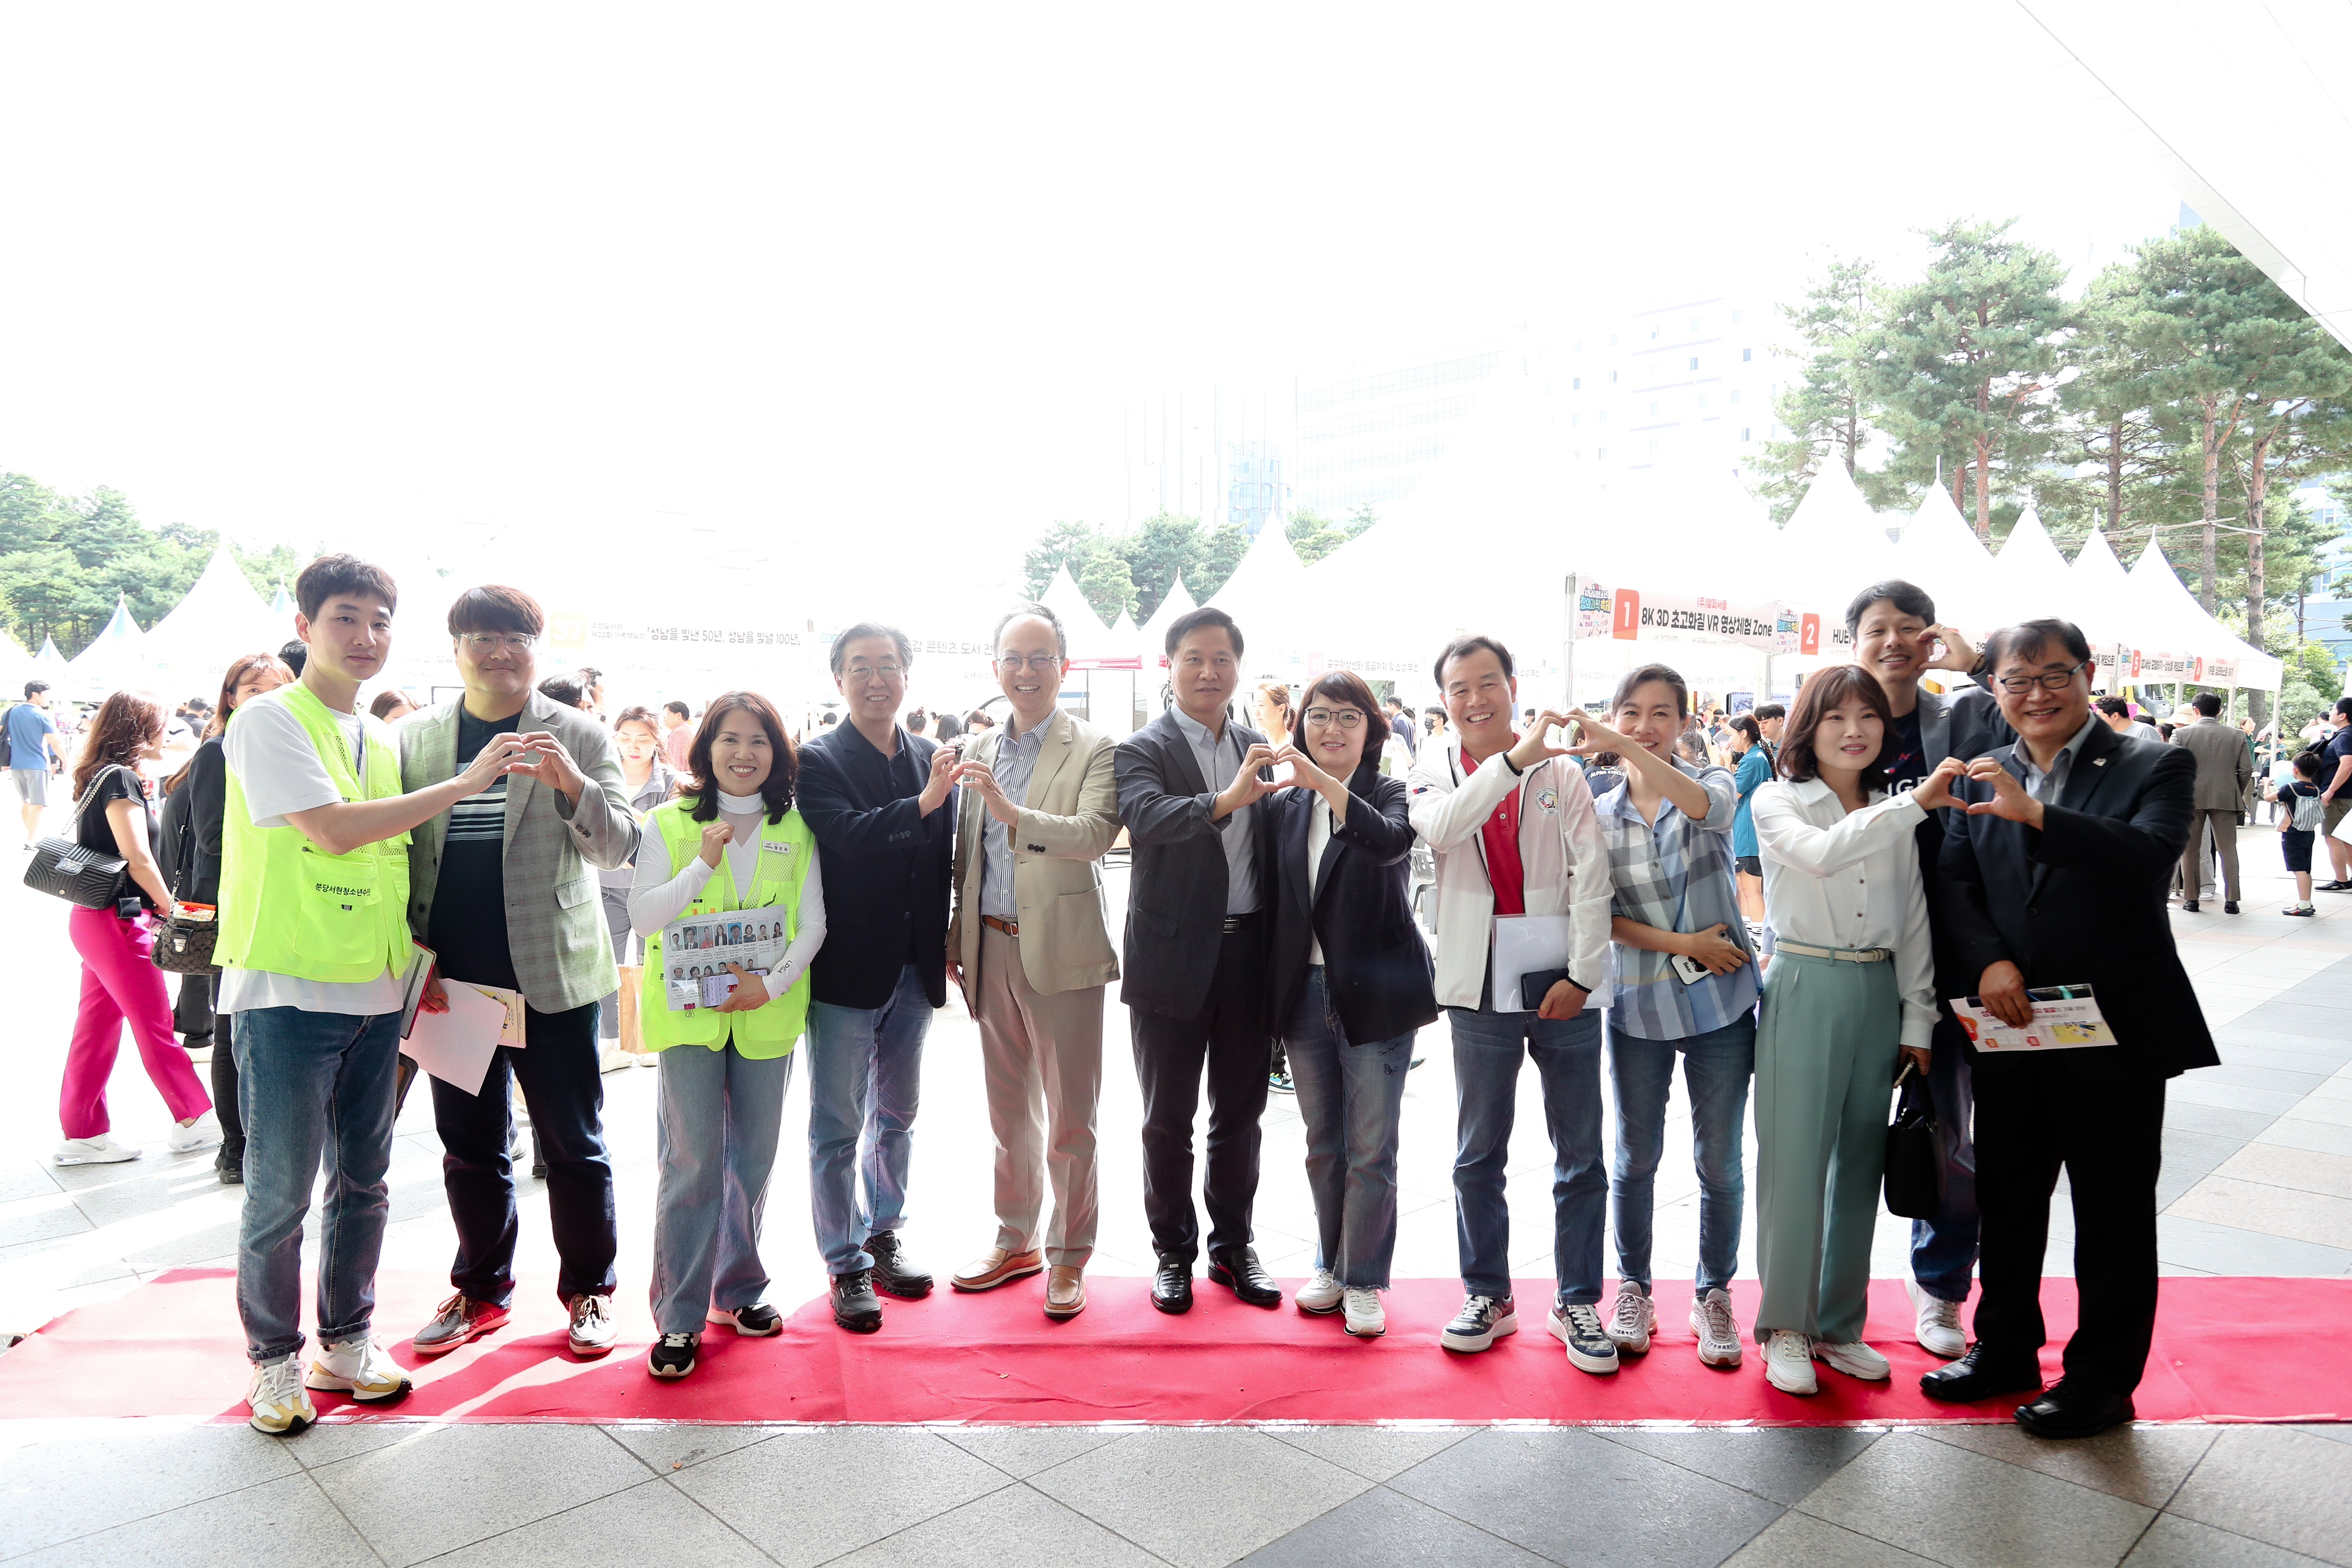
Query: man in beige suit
<point x="1028" y="943"/>
<point x="2225" y="766"/>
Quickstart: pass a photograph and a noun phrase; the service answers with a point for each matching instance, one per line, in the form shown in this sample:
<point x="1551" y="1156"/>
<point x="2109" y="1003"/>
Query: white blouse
<point x="1835" y="879"/>
<point x="658" y="898"/>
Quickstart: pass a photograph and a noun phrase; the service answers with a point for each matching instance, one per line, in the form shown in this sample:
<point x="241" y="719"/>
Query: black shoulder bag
<point x="62" y="868"/>
<point x="1915" y="1176"/>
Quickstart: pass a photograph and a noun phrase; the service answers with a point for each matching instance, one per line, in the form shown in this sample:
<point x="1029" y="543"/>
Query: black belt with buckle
<point x="1242" y="922"/>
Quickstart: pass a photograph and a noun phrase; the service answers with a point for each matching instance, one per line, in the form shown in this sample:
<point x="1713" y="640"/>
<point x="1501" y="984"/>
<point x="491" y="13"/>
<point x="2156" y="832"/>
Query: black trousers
<point x="558" y="1069"/>
<point x="192" y="1010"/>
<point x="2033" y="1117"/>
<point x="1229" y="1037"/>
<point x="232" y="1150"/>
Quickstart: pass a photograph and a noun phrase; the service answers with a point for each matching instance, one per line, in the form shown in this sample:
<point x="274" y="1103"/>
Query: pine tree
<point x="1827" y="410"/>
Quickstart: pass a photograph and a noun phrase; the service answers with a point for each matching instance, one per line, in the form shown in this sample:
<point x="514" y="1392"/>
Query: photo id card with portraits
<point x="698" y="949"/>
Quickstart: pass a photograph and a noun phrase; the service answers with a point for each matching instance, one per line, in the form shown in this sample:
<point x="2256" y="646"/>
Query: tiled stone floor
<point x="2258" y="1179"/>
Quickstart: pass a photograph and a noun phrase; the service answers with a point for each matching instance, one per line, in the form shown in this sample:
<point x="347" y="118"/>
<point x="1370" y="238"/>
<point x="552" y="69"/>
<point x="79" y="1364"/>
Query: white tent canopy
<point x="1265" y="596"/>
<point x="2029" y="575"/>
<point x="2180" y="625"/>
<point x="218" y="620"/>
<point x="1090" y="641"/>
<point x="1941" y="553"/>
<point x="115" y="659"/>
<point x="1835" y="546"/>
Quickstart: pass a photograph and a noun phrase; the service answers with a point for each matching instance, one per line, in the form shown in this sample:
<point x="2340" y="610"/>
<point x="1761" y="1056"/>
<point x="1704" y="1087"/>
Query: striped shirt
<point x="1676" y="875"/>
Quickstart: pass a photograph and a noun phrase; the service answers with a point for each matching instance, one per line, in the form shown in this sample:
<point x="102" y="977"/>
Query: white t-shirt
<point x="273" y="759"/>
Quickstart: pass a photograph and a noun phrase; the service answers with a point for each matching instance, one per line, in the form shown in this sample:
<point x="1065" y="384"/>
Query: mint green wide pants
<point x="1825" y="1053"/>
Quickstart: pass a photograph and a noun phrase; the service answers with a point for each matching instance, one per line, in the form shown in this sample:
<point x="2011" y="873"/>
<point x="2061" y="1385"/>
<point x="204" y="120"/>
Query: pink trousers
<point x="119" y="984"/>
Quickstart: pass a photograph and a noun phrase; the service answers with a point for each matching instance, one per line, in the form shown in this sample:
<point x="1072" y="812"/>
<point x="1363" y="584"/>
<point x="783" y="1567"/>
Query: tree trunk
<point x="2257" y="480"/>
<point x="2114" y="475"/>
<point x="1984" y="492"/>
<point x="2212" y="507"/>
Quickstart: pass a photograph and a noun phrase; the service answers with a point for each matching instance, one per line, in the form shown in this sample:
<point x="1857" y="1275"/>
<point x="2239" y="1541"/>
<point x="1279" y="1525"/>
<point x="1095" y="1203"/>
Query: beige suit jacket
<point x="1070" y="818"/>
<point x="2225" y="763"/>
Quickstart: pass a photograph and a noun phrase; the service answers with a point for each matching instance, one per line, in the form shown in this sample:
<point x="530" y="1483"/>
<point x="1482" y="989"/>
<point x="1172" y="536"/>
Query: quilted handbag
<point x="62" y="868"/>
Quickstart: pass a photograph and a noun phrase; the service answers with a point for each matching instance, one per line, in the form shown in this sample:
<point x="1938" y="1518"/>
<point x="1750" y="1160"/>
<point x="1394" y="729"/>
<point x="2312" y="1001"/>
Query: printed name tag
<point x="777" y="844"/>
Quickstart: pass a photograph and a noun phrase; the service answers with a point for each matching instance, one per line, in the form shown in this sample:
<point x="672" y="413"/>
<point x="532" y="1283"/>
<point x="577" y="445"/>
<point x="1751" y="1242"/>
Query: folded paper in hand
<point x="456" y="1046"/>
<point x="2065" y="1017"/>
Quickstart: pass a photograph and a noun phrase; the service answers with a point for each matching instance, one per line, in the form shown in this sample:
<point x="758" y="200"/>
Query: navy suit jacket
<point x="1376" y="966"/>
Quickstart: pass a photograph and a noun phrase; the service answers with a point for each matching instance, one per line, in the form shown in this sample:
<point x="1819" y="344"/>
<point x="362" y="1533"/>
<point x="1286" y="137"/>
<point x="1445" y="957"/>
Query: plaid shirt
<point x="1674" y="875"/>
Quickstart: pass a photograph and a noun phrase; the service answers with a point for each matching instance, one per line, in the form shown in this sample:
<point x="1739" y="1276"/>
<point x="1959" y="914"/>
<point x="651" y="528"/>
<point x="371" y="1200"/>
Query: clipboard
<point x="1527" y="944"/>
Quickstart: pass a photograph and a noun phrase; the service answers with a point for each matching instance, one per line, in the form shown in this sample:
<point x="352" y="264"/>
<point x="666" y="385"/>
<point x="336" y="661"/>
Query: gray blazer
<point x="555" y="919"/>
<point x="2225" y="763"/>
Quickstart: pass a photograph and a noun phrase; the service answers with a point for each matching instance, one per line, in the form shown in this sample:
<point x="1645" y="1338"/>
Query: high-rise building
<point x="1255" y="490"/>
<point x="1368" y="437"/>
<point x="1680" y="386"/>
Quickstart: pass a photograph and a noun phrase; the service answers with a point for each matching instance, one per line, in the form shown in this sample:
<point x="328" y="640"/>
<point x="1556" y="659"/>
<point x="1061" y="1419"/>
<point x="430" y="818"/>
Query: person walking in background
<point x="1751" y="771"/>
<point x="871" y="793"/>
<point x="1194" y="967"/>
<point x="1037" y="805"/>
<point x="1349" y="981"/>
<point x="119" y="982"/>
<point x="2335" y="795"/>
<point x="918" y="722"/>
<point x="724" y="1068"/>
<point x="1510" y="819"/>
<point x="1398" y="718"/>
<point x="646" y="781"/>
<point x="678" y="735"/>
<point x="2225" y="768"/>
<point x="502" y="891"/>
<point x="2116" y="714"/>
<point x="1667" y="825"/>
<point x="33" y="755"/>
<point x="1850" y="991"/>
<point x="200" y="791"/>
<point x="2300" y="815"/>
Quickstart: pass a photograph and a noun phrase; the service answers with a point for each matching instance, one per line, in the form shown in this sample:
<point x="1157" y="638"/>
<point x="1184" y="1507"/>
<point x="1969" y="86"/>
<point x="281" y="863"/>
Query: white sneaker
<point x="281" y="1406"/>
<point x="1854" y="1360"/>
<point x="1320" y="1294"/>
<point x="614" y="1058"/>
<point x="1365" y="1318"/>
<point x="1718" y="1330"/>
<point x="187" y="1137"/>
<point x="1634" y="1319"/>
<point x="360" y="1369"/>
<point x="1788" y="1363"/>
<point x="99" y="1150"/>
<point x="1938" y="1328"/>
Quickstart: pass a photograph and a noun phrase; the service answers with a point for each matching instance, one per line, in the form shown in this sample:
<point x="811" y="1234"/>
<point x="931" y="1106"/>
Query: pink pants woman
<point x="119" y="984"/>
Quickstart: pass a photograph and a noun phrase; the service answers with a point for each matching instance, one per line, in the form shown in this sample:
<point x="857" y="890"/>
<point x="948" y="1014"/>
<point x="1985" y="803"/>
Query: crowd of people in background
<point x="1783" y="899"/>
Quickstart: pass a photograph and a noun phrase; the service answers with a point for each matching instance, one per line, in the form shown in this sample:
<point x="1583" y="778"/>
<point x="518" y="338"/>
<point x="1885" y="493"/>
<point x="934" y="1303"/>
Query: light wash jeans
<point x="866" y="1077"/>
<point x="1717" y="1067"/>
<point x="722" y="1114"/>
<point x="313" y="1086"/>
<point x="1352" y="1097"/>
<point x="1487" y="1048"/>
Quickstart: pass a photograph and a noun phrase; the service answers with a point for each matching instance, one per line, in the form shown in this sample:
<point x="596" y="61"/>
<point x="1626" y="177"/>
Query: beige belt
<point x="1850" y="954"/>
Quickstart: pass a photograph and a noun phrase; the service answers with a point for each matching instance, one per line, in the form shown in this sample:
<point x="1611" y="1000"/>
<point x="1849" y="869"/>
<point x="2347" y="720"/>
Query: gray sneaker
<point x="1589" y="1348"/>
<point x="1632" y="1320"/>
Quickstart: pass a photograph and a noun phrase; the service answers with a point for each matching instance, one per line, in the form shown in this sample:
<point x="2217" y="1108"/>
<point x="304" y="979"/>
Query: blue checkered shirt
<point x="1674" y="875"/>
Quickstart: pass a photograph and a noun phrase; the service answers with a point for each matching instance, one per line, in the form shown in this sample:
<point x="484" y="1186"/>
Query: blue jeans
<point x="866" y="1071"/>
<point x="1717" y="1067"/>
<point x="722" y="1116"/>
<point x="1351" y="1098"/>
<point x="313" y="1085"/>
<point x="1567" y="1053"/>
<point x="1944" y="1248"/>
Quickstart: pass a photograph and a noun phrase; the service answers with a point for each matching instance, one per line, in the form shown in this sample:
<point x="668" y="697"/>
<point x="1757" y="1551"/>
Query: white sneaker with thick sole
<point x="1578" y="1327"/>
<point x="99" y="1150"/>
<point x="360" y="1369"/>
<point x="280" y="1405"/>
<point x="1854" y="1360"/>
<point x="1718" y="1330"/>
<point x="187" y="1137"/>
<point x="1320" y="1294"/>
<point x="1938" y="1330"/>
<point x="1632" y="1320"/>
<point x="1788" y="1363"/>
<point x="1366" y="1321"/>
<point x="1481" y="1321"/>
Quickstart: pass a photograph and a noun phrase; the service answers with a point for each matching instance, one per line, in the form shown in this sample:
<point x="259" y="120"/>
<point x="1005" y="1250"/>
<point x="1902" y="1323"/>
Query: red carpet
<point x="2225" y="1349"/>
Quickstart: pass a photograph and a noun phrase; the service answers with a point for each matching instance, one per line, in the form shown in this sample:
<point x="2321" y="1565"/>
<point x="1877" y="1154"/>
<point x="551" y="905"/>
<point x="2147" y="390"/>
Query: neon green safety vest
<point x="786" y="850"/>
<point x="288" y="906"/>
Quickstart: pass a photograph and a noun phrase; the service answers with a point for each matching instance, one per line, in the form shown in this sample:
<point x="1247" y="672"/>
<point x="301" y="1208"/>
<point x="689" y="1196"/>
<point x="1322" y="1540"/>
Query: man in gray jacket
<point x="2225" y="766"/>
<point x="503" y="889"/>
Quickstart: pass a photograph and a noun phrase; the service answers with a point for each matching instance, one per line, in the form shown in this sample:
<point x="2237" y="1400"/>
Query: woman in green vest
<point x="724" y="1066"/>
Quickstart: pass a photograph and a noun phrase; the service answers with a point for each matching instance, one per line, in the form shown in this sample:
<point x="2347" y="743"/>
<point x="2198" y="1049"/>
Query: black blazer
<point x="2082" y="899"/>
<point x="1176" y="886"/>
<point x="1375" y="963"/>
<point x="887" y="867"/>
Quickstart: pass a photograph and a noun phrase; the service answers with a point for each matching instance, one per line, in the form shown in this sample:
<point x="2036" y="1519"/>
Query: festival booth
<point x="1105" y="669"/>
<point x="2181" y="644"/>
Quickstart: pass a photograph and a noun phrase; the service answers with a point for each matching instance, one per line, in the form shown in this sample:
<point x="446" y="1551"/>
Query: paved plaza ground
<point x="2257" y="1181"/>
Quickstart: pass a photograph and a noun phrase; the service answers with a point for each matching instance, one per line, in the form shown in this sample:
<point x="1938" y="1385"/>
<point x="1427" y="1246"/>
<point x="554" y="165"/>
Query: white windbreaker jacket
<point x="1561" y="850"/>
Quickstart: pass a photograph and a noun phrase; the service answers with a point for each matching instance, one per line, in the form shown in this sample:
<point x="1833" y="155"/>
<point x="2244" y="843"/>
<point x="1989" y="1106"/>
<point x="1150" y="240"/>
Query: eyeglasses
<point x="886" y="669"/>
<point x="1346" y="717"/>
<point x="492" y="642"/>
<point x="2049" y="680"/>
<point x="1013" y="664"/>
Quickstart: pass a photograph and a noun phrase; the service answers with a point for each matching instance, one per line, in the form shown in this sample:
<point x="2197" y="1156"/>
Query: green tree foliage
<point x="1827" y="411"/>
<point x="1134" y="571"/>
<point x="1314" y="535"/>
<point x="2111" y="450"/>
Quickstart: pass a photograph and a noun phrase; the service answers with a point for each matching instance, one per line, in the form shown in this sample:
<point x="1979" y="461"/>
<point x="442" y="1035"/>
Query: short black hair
<point x="495" y="607"/>
<point x="2344" y="706"/>
<point x="1185" y="625"/>
<point x="1463" y="646"/>
<point x="680" y="708"/>
<point x="1770" y="710"/>
<point x="1392" y="700"/>
<point x="2208" y="703"/>
<point x="294" y="655"/>
<point x="1906" y="597"/>
<point x="1043" y="613"/>
<point x="839" y="656"/>
<point x="34" y="688"/>
<point x="2115" y="706"/>
<point x="2307" y="763"/>
<point x="2031" y="637"/>
<point x="564" y="690"/>
<point x="331" y="574"/>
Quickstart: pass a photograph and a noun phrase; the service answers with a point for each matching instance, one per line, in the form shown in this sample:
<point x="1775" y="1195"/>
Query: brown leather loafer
<point x="996" y="1266"/>
<point x="1065" y="1292"/>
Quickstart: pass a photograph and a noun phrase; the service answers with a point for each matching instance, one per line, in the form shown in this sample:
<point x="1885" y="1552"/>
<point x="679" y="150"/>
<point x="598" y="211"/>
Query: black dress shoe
<point x="2187" y="906"/>
<point x="1238" y="1270"/>
<point x="2229" y="906"/>
<point x="1977" y="1376"/>
<point x="854" y="1306"/>
<point x="893" y="1275"/>
<point x="1171" y="1287"/>
<point x="2073" y="1410"/>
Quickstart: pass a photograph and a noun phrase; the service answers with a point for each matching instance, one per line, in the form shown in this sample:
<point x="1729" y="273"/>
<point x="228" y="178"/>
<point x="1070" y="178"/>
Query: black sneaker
<point x="756" y="1322"/>
<point x="1578" y="1327"/>
<point x="1482" y="1320"/>
<point x="855" y="1306"/>
<point x="893" y="1275"/>
<point x="673" y="1355"/>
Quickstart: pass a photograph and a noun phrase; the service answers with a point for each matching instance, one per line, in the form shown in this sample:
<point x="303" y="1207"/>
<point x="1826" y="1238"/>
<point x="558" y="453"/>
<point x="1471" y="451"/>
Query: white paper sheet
<point x="456" y="1046"/>
<point x="2065" y="1017"/>
<point x="1524" y="944"/>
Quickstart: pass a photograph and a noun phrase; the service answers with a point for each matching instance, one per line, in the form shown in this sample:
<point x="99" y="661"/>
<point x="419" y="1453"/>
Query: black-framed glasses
<point x="1346" y="717"/>
<point x="2049" y="680"/>
<point x="1014" y="663"/>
